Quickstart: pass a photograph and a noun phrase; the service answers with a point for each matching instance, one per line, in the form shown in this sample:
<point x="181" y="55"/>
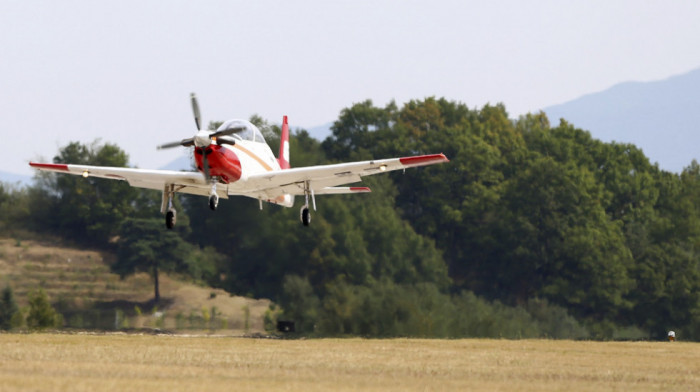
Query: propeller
<point x="202" y="139"/>
<point x="195" y="110"/>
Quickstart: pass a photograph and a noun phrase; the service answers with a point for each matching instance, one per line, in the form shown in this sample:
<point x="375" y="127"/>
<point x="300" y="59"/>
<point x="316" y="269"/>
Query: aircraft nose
<point x="202" y="139"/>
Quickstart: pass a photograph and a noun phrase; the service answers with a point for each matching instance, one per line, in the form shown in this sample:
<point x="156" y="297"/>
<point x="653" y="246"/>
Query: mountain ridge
<point x="659" y="117"/>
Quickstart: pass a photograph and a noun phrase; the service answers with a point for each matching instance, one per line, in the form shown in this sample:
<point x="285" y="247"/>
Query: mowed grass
<point x="58" y="362"/>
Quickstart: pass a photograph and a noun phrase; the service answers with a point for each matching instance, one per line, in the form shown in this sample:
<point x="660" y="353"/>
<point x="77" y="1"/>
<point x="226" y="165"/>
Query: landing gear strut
<point x="167" y="206"/>
<point x="213" y="197"/>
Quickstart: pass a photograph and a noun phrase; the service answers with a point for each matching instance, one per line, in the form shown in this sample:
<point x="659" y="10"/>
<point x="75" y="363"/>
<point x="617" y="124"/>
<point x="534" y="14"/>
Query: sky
<point x="122" y="71"/>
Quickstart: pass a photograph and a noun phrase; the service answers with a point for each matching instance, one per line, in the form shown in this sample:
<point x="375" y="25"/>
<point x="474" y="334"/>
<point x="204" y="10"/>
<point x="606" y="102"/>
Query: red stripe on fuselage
<point x="222" y="163"/>
<point x="49" y="166"/>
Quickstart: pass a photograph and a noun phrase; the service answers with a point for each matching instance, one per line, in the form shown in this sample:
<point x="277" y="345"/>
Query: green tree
<point x="560" y="244"/>
<point x="300" y="303"/>
<point x="145" y="246"/>
<point x="87" y="210"/>
<point x="41" y="314"/>
<point x="8" y="308"/>
<point x="14" y="207"/>
<point x="358" y="130"/>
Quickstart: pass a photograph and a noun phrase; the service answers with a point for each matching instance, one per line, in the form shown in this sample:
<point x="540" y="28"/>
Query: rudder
<point x="283" y="157"/>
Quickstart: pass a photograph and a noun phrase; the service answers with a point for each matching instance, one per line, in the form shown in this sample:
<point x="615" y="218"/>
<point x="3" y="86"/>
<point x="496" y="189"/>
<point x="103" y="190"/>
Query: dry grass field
<point x="60" y="362"/>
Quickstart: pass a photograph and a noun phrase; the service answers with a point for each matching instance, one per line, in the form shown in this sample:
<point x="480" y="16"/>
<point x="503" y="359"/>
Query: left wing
<point x="324" y="179"/>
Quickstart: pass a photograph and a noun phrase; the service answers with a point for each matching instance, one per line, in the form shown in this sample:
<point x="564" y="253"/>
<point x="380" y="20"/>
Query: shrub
<point x="8" y="308"/>
<point x="41" y="314"/>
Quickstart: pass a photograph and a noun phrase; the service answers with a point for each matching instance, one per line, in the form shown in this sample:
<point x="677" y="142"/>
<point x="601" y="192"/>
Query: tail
<point x="283" y="157"/>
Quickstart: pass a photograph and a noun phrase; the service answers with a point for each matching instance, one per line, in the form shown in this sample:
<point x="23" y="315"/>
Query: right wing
<point x="324" y="179"/>
<point x="186" y="182"/>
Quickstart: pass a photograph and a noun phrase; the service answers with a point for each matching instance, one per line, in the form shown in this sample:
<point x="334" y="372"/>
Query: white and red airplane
<point x="236" y="160"/>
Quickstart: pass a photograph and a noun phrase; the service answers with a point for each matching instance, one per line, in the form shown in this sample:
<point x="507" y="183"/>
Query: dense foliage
<point x="8" y="308"/>
<point x="531" y="230"/>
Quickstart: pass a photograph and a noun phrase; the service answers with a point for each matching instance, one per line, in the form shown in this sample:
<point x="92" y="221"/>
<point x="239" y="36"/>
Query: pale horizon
<point x="122" y="72"/>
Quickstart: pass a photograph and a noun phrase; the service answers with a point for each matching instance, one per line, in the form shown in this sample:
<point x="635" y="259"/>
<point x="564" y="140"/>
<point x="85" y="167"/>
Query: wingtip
<point x="49" y="166"/>
<point x="423" y="160"/>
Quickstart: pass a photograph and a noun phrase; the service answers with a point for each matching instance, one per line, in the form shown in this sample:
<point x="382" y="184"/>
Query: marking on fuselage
<point x="254" y="156"/>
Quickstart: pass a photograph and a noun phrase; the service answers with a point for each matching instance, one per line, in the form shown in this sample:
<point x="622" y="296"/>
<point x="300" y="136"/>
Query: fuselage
<point x="234" y="162"/>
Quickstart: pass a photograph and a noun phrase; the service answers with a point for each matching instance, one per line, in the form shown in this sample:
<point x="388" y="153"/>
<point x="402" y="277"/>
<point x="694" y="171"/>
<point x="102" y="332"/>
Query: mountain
<point x="660" y="117"/>
<point x="179" y="164"/>
<point x="321" y="132"/>
<point x="15" y="179"/>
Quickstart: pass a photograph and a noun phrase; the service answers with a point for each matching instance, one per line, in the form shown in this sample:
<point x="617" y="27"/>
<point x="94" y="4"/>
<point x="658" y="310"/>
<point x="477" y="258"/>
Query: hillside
<point x="81" y="286"/>
<point x="660" y="117"/>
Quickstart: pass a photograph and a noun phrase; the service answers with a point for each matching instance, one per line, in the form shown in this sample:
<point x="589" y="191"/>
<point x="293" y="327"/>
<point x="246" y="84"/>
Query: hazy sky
<point x="122" y="71"/>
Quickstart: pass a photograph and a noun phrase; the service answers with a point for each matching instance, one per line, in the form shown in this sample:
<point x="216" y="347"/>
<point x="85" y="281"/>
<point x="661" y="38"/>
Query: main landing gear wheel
<point x="170" y="218"/>
<point x="305" y="216"/>
<point x="213" y="202"/>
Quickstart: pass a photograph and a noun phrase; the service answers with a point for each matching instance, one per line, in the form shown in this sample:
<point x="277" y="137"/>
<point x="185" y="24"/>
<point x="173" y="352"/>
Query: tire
<point x="305" y="216"/>
<point x="170" y="218"/>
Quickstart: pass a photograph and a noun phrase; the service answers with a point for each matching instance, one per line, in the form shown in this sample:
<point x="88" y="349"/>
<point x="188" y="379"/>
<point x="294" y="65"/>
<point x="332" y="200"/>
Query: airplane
<point x="235" y="160"/>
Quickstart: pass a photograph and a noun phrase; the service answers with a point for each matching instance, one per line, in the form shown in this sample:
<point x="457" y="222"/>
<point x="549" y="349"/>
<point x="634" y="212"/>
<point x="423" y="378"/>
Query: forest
<point x="533" y="229"/>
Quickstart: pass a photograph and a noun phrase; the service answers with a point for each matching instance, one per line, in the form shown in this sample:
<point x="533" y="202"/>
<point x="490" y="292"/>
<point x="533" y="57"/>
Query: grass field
<point x="60" y="362"/>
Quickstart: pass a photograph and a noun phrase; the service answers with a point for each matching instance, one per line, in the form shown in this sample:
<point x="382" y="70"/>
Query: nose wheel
<point x="213" y="197"/>
<point x="213" y="202"/>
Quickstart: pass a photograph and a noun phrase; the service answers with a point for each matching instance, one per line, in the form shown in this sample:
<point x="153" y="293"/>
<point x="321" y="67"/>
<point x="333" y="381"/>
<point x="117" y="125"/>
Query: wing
<point x="324" y="179"/>
<point x="187" y="182"/>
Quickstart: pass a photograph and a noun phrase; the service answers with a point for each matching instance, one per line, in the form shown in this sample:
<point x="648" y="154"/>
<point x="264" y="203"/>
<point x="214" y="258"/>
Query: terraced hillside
<point x="81" y="286"/>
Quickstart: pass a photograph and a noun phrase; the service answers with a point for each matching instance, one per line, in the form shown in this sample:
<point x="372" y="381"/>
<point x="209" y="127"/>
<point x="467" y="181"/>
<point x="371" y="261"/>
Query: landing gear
<point x="170" y="218"/>
<point x="213" y="197"/>
<point x="167" y="208"/>
<point x="305" y="215"/>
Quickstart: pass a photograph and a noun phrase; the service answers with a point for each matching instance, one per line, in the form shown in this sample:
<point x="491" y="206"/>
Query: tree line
<point x="531" y="230"/>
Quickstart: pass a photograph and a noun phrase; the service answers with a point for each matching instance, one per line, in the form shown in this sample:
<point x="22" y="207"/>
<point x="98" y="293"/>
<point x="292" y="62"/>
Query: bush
<point x="555" y="322"/>
<point x="8" y="309"/>
<point x="41" y="314"/>
<point x="387" y="309"/>
<point x="300" y="303"/>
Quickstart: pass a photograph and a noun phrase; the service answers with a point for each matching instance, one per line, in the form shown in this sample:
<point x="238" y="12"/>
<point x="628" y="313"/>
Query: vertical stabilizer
<point x="283" y="157"/>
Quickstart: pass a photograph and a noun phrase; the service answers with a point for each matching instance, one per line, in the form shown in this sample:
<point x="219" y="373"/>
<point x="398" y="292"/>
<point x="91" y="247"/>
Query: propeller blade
<point x="225" y="140"/>
<point x="226" y="132"/>
<point x="183" y="142"/>
<point x="195" y="109"/>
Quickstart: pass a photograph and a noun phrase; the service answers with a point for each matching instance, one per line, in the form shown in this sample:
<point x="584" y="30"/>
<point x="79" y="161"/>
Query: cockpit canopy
<point x="248" y="132"/>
